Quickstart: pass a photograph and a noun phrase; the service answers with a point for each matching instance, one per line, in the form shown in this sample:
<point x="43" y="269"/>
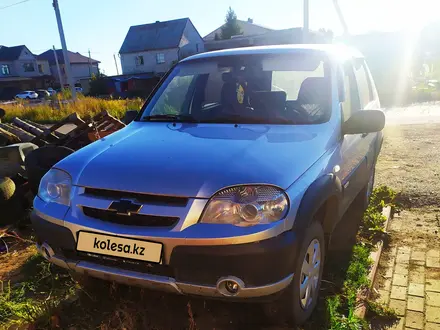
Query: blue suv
<point x="230" y="181"/>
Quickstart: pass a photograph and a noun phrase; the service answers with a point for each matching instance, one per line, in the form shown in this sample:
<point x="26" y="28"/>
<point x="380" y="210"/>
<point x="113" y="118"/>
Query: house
<point x="252" y="35"/>
<point x="82" y="67"/>
<point x="248" y="28"/>
<point x="156" y="47"/>
<point x="20" y="70"/>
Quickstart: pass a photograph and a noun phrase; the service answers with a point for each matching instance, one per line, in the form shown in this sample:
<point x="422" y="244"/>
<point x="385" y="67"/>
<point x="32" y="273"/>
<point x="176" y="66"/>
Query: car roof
<point x="338" y="52"/>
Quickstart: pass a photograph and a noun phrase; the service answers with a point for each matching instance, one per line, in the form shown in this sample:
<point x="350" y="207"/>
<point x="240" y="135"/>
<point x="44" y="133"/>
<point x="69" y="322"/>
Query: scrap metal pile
<point x="28" y="150"/>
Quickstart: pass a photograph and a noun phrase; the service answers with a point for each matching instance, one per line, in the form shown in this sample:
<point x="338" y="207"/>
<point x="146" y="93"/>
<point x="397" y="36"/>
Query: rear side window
<point x="351" y="102"/>
<point x="363" y="82"/>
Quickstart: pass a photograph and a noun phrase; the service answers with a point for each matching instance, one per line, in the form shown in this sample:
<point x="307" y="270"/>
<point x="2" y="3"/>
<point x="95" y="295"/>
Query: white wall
<point x="79" y="71"/>
<point x="128" y="61"/>
<point x="25" y="57"/>
<point x="191" y="42"/>
<point x="46" y="67"/>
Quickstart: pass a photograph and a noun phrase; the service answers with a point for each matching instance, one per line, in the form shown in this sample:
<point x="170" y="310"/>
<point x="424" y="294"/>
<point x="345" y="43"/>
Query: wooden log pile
<point x="85" y="132"/>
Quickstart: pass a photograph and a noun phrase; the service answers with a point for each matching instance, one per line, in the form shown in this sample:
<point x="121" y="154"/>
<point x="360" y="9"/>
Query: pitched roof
<point x="248" y="28"/>
<point x="159" y="35"/>
<point x="75" y="58"/>
<point x="10" y="53"/>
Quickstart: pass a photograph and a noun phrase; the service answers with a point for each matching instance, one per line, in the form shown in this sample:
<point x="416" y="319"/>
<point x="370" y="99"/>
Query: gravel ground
<point x="410" y="163"/>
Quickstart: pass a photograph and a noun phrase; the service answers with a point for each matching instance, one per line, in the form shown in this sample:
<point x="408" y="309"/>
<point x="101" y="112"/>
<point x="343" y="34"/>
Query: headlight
<point x="55" y="186"/>
<point x="246" y="206"/>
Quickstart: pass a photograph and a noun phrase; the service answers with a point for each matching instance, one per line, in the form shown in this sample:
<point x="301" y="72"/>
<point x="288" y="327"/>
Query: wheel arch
<point x="321" y="201"/>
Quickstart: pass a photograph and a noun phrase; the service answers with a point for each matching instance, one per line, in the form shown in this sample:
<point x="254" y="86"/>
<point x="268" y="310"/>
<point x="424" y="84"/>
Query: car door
<point x="353" y="166"/>
<point x="369" y="101"/>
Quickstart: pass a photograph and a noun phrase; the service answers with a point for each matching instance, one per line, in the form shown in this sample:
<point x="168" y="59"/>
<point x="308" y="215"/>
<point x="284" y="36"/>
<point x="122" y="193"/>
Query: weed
<point x="372" y="226"/>
<point x="379" y="309"/>
<point x="341" y="307"/>
<point x="56" y="111"/>
<point x="337" y="319"/>
<point x="34" y="298"/>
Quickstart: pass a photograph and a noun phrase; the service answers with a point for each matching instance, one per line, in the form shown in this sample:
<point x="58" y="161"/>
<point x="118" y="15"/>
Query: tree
<point x="98" y="85"/>
<point x="231" y="27"/>
<point x="325" y="36"/>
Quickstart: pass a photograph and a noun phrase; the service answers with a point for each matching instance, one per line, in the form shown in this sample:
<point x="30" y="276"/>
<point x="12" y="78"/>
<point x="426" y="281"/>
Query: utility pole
<point x="341" y="17"/>
<point x="64" y="46"/>
<point x="90" y="65"/>
<point x="58" y="67"/>
<point x="116" y="64"/>
<point x="306" y="22"/>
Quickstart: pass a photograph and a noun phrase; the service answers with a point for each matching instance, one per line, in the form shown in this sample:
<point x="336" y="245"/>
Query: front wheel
<point x="301" y="296"/>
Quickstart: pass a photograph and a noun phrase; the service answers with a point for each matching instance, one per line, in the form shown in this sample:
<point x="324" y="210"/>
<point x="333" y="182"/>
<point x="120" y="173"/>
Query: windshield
<point x="267" y="89"/>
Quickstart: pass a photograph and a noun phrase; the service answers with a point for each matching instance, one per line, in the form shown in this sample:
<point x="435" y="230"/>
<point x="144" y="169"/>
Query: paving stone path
<point x="409" y="275"/>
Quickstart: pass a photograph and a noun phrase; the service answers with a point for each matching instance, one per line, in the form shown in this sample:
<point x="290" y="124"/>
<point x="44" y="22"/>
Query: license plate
<point x="119" y="247"/>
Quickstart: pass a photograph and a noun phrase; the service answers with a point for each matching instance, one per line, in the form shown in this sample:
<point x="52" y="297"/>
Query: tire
<point x="39" y="161"/>
<point x="28" y="98"/>
<point x="299" y="308"/>
<point x="7" y="189"/>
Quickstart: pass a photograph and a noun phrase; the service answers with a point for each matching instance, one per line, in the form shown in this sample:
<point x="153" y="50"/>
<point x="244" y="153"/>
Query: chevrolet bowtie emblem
<point x="125" y="207"/>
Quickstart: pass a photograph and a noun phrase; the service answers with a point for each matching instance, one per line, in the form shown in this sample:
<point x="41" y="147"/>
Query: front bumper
<point x="261" y="268"/>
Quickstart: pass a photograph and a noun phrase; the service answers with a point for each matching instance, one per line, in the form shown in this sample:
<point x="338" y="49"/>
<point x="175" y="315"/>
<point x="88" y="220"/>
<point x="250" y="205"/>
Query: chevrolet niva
<point x="230" y="181"/>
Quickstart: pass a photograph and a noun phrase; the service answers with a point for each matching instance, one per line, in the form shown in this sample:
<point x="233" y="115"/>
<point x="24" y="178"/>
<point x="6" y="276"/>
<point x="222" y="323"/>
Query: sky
<point x="101" y="25"/>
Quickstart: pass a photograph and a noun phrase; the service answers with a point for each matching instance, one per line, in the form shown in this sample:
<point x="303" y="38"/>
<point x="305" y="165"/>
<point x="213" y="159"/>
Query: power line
<point x="14" y="4"/>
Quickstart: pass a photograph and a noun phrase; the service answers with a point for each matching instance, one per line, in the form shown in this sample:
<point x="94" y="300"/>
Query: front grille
<point x="130" y="220"/>
<point x="121" y="263"/>
<point x="140" y="197"/>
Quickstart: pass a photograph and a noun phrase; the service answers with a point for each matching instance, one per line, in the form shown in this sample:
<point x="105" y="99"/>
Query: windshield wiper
<point x="169" y="117"/>
<point x="237" y="119"/>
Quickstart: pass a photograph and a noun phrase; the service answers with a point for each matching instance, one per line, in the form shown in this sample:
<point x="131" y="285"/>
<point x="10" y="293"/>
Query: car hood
<point x="196" y="160"/>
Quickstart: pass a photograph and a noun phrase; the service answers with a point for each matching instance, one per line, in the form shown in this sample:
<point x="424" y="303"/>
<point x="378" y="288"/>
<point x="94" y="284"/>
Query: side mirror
<point x="364" y="121"/>
<point x="130" y="115"/>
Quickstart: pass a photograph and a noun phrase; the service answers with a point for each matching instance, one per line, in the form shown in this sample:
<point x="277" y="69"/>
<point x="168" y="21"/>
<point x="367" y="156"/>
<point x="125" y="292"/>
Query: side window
<point x="172" y="101"/>
<point x="139" y="60"/>
<point x="351" y="103"/>
<point x="363" y="82"/>
<point x="291" y="81"/>
<point x="212" y="92"/>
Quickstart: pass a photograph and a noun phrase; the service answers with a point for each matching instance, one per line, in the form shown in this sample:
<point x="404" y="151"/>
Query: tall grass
<point x="55" y="111"/>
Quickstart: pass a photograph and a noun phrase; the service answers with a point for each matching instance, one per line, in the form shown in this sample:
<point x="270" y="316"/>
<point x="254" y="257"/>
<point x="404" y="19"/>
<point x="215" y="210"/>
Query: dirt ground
<point x="409" y="163"/>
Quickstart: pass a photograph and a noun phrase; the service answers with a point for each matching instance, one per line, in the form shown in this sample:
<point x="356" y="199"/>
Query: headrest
<point x="314" y="90"/>
<point x="268" y="101"/>
<point x="228" y="77"/>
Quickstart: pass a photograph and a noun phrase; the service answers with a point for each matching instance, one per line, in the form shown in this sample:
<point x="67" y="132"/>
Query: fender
<point x="326" y="190"/>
